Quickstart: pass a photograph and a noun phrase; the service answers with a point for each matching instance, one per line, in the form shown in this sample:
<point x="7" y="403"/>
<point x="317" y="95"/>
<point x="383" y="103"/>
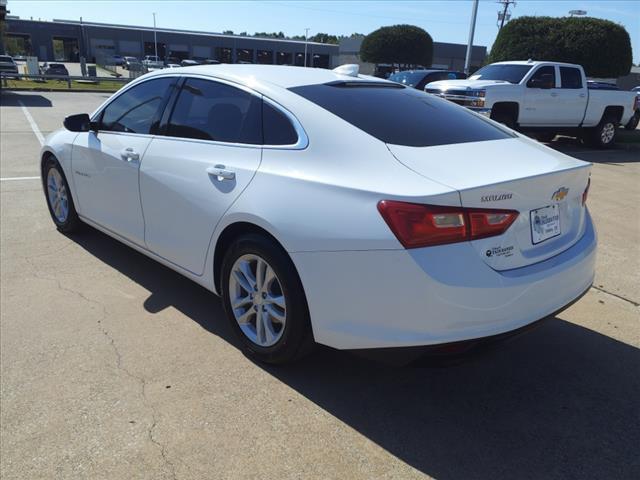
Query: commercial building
<point x="445" y="55"/>
<point x="68" y="40"/>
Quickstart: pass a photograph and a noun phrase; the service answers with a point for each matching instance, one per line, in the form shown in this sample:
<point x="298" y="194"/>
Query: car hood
<point x="465" y="84"/>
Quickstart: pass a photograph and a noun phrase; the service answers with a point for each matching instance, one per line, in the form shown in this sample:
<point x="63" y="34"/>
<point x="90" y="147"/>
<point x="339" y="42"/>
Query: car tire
<point x="58" y="196"/>
<point x="293" y="337"/>
<point x="603" y="135"/>
<point x="632" y="124"/>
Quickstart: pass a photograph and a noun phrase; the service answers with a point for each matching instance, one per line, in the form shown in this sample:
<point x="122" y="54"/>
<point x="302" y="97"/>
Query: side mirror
<point x="79" y="123"/>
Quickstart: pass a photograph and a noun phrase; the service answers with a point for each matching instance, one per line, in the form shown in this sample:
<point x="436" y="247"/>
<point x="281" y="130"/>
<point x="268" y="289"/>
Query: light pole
<point x="306" y="36"/>
<point x="472" y="30"/>
<point x="155" y="38"/>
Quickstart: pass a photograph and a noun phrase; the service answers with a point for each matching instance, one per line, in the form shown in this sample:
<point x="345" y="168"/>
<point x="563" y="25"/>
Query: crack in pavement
<point x="632" y="302"/>
<point x="119" y="365"/>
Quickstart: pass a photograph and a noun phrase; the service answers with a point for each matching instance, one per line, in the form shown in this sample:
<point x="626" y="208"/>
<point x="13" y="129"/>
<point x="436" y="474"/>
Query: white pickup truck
<point x="152" y="62"/>
<point x="546" y="98"/>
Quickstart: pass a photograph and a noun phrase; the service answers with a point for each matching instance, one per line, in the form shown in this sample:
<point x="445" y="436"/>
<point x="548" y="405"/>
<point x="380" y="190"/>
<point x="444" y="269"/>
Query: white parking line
<point x="12" y="179"/>
<point x="32" y="122"/>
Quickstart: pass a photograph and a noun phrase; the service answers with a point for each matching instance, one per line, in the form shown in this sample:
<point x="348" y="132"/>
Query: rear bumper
<point x="431" y="296"/>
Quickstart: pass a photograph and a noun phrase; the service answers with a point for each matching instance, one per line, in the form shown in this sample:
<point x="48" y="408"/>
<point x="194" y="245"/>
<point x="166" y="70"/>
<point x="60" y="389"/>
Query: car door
<point x="209" y="151"/>
<point x="540" y="98"/>
<point x="106" y="163"/>
<point x="572" y="97"/>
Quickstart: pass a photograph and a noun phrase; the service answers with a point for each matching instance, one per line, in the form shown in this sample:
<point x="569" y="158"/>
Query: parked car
<point x="415" y="221"/>
<point x="633" y="123"/>
<point x="128" y="61"/>
<point x="8" y="67"/>
<point x="152" y="61"/>
<point x="58" y="69"/>
<point x="116" y="60"/>
<point x="172" y="65"/>
<point x="188" y="63"/>
<point x="545" y="98"/>
<point x="420" y="78"/>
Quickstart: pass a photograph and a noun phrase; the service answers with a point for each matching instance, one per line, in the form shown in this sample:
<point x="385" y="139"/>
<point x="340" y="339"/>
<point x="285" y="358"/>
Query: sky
<point x="446" y="21"/>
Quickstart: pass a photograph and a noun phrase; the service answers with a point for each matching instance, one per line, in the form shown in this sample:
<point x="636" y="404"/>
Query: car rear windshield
<point x="6" y="58"/>
<point x="511" y="73"/>
<point x="400" y="115"/>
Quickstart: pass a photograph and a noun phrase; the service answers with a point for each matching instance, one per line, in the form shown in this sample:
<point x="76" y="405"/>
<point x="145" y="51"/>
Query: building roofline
<point x="172" y="30"/>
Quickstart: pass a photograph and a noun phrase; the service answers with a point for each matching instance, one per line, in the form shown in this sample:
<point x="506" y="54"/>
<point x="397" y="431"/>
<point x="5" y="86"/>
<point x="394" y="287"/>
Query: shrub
<point x="404" y="44"/>
<point x="602" y="47"/>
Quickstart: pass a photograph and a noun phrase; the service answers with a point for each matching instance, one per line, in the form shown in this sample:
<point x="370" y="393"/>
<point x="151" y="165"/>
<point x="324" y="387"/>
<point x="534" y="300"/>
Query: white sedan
<point x="329" y="207"/>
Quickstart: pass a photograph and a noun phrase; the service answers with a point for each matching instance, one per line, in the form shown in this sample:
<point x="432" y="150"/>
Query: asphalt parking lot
<point x="113" y="366"/>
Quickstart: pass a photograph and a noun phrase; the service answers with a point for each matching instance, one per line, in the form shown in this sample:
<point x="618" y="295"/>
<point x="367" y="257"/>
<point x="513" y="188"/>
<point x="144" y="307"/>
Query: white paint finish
<point x="319" y="202"/>
<point x="183" y="202"/>
<point x="107" y="183"/>
<point x="32" y="123"/>
<point x="433" y="295"/>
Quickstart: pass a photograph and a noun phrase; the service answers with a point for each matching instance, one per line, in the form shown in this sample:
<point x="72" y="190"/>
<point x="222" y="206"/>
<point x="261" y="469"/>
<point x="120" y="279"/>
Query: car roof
<point x="279" y="75"/>
<point x="534" y="62"/>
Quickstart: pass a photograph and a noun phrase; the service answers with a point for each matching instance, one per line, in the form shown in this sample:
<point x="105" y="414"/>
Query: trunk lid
<point x="543" y="185"/>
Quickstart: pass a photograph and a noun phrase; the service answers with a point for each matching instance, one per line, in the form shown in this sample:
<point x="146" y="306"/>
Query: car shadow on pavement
<point x="560" y="401"/>
<point x="13" y="99"/>
<point x="621" y="153"/>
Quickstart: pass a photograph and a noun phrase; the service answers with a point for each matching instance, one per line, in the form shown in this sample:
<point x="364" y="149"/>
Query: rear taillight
<point x="416" y="225"/>
<point x="585" y="194"/>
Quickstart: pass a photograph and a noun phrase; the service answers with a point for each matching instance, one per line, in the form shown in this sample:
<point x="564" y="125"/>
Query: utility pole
<point x="504" y="15"/>
<point x="155" y="38"/>
<point x="306" y="37"/>
<point x="472" y="31"/>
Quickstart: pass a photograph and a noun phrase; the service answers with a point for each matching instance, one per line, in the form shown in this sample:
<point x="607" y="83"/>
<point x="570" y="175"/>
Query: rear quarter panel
<point x="599" y="100"/>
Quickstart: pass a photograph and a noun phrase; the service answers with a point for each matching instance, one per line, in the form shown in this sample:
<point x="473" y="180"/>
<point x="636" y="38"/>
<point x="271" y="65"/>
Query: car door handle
<point x="129" y="155"/>
<point x="221" y="173"/>
<point x="582" y="95"/>
<point x="554" y="94"/>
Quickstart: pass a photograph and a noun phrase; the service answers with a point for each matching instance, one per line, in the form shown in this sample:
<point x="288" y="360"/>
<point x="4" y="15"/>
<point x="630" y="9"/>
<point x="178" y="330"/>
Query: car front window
<point x="511" y="73"/>
<point x="137" y="109"/>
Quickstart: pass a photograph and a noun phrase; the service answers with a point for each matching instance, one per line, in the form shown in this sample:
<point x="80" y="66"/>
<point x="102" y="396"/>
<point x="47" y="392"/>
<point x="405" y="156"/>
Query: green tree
<point x="324" y="38"/>
<point x="403" y="44"/>
<point x="602" y="47"/>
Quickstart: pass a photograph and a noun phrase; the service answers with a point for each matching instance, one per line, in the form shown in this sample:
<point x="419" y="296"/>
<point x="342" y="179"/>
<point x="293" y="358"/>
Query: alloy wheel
<point x="257" y="300"/>
<point x="58" y="196"/>
<point x="608" y="131"/>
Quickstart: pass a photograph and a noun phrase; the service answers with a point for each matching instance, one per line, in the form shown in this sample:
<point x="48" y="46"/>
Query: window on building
<point x="210" y="110"/>
<point x="17" y="44"/>
<point x="223" y="55"/>
<point x="284" y="58"/>
<point x="299" y="59"/>
<point x="138" y="109"/>
<point x="265" y="57"/>
<point x="321" y="61"/>
<point x="244" y="55"/>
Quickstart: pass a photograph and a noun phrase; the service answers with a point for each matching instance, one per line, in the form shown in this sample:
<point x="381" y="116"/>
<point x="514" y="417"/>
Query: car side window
<point x="276" y="127"/>
<point x="209" y="110"/>
<point x="138" y="109"/>
<point x="544" y="77"/>
<point x="570" y="77"/>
